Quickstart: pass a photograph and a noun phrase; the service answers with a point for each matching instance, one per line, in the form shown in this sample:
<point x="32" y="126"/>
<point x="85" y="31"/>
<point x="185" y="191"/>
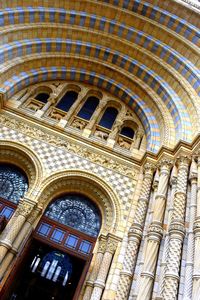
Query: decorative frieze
<point x="36" y="133"/>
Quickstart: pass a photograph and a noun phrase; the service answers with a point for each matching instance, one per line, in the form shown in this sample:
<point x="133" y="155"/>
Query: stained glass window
<point x="76" y="211"/>
<point x="13" y="183"/>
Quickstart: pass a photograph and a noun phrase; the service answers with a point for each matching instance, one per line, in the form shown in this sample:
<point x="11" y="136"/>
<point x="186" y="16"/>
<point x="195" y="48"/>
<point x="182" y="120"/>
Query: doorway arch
<point x="59" y="254"/>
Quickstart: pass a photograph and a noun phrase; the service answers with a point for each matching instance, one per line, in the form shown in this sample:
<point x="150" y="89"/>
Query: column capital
<point x="183" y="160"/>
<point x="34" y="214"/>
<point x="149" y="168"/>
<point x="102" y="244"/>
<point x="193" y="171"/>
<point x="165" y="164"/>
<point x="25" y="207"/>
<point x="111" y="245"/>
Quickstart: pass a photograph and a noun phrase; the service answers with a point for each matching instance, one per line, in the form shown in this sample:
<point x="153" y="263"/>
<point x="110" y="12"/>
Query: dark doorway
<point x="36" y="276"/>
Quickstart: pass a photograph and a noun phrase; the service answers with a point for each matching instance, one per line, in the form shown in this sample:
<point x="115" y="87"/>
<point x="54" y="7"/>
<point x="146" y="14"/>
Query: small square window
<point x="57" y="235"/>
<point x="71" y="241"/>
<point x="7" y="212"/>
<point x="85" y="247"/>
<point x="44" y="229"/>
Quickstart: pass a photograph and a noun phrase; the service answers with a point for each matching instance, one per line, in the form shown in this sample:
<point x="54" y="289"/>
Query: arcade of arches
<point x="99" y="150"/>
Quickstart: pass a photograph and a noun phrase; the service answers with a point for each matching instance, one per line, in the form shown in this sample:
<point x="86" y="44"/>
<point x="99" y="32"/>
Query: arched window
<point x="88" y="108"/>
<point x="13" y="185"/>
<point x="67" y="100"/>
<point x="75" y="211"/>
<point x="43" y="97"/>
<point x="73" y="222"/>
<point x="108" y="117"/>
<point x="128" y="132"/>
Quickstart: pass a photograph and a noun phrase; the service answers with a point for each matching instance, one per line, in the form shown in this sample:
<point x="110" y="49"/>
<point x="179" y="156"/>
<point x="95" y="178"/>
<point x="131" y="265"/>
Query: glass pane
<point x="71" y="241"/>
<point x="109" y="117"/>
<point x="44" y="229"/>
<point x="13" y="183"/>
<point x="88" y="108"/>
<point x="7" y="212"/>
<point x="85" y="247"/>
<point x="54" y="266"/>
<point x="57" y="235"/>
<point x="67" y="100"/>
<point x="75" y="211"/>
<point x="43" y="97"/>
<point x="127" y="131"/>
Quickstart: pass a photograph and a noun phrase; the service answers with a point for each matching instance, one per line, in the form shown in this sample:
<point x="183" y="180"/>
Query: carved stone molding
<point x="155" y="231"/>
<point x="24" y="158"/>
<point x="39" y="134"/>
<point x="24" y="209"/>
<point x="135" y="231"/>
<point x="165" y="163"/>
<point x="177" y="228"/>
<point x="197" y="226"/>
<point x="88" y="184"/>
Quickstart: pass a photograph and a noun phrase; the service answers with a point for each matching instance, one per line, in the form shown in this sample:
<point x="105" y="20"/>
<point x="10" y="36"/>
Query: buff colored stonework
<point x="141" y="58"/>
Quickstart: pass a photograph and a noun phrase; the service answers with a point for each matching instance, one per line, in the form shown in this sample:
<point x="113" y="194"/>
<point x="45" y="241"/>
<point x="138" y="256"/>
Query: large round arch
<point x="89" y="185"/>
<point x="25" y="159"/>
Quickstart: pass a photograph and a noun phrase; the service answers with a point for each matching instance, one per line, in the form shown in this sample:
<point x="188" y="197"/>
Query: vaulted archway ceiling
<point x="145" y="53"/>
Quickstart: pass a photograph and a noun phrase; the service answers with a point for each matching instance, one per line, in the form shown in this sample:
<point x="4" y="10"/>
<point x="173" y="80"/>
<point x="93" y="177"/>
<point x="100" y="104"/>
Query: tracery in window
<point x="76" y="211"/>
<point x="108" y="117"/>
<point x="67" y="100"/>
<point x="13" y="183"/>
<point x="88" y="108"/>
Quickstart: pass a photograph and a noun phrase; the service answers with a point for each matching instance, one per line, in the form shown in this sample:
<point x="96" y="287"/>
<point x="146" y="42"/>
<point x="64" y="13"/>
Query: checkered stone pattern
<point x="56" y="159"/>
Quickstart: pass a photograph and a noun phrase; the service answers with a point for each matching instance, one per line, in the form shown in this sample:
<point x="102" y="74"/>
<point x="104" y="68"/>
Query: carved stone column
<point x="155" y="233"/>
<point x="138" y="139"/>
<point x="196" y="270"/>
<point x="14" y="226"/>
<point x="96" y="267"/>
<point x="92" y="122"/>
<point x="19" y="241"/>
<point x="51" y="101"/>
<point x="116" y="127"/>
<point x="176" y="232"/>
<point x="135" y="235"/>
<point x="147" y="221"/>
<point x="173" y="183"/>
<point x="100" y="282"/>
<point x="187" y="294"/>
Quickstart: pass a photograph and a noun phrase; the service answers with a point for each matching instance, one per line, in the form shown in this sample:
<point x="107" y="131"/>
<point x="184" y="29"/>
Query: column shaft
<point x="176" y="233"/>
<point x="163" y="264"/>
<point x="190" y="244"/>
<point x="100" y="282"/>
<point x="95" y="270"/>
<point x="154" y="234"/>
<point x="135" y="235"/>
<point x="196" y="270"/>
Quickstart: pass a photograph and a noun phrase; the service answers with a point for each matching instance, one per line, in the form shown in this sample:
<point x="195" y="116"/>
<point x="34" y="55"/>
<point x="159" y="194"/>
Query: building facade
<point x="99" y="150"/>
